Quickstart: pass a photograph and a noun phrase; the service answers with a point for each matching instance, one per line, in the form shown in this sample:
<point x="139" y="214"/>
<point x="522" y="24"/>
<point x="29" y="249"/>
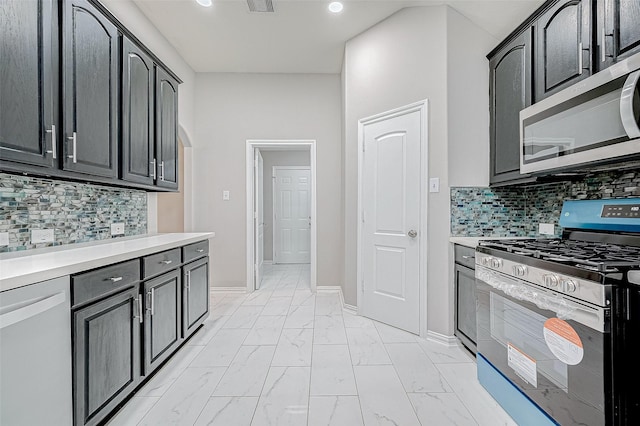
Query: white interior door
<point x="259" y="217"/>
<point x="390" y="237"/>
<point x="292" y="217"/>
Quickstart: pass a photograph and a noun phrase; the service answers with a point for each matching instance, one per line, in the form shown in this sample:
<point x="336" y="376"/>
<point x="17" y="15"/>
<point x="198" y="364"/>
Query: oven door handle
<point x="627" y="114"/>
<point x="592" y="317"/>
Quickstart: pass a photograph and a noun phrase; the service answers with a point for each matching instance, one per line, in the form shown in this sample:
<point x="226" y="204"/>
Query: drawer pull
<point x="115" y="279"/>
<point x="167" y="262"/>
<point x="468" y="257"/>
<point x="200" y="250"/>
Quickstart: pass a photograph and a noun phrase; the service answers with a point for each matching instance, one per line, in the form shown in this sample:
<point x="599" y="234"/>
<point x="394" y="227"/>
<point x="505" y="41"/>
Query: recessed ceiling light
<point x="335" y="7"/>
<point x="205" y="3"/>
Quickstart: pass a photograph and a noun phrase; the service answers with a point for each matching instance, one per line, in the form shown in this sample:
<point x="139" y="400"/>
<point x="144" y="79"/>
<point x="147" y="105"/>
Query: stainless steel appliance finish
<point x="596" y="120"/>
<point x="35" y="355"/>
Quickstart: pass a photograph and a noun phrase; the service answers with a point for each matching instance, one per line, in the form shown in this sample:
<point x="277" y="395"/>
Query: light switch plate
<point x="4" y="239"/>
<point x="434" y="185"/>
<point x="42" y="236"/>
<point x="225" y="195"/>
<point x="546" y="229"/>
<point x="117" y="229"/>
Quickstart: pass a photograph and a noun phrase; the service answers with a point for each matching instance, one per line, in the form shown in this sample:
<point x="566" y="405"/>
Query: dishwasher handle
<point x="24" y="310"/>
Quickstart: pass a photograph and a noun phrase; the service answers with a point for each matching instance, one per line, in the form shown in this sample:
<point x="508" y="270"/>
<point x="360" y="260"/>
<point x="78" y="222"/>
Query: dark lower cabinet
<point x="465" y="297"/>
<point x="137" y="160"/>
<point x="106" y="355"/>
<point x="166" y="129"/>
<point x="29" y="82"/>
<point x="195" y="295"/>
<point x="618" y="30"/>
<point x="90" y="90"/>
<point x="509" y="92"/>
<point x="563" y="47"/>
<point x="162" y="328"/>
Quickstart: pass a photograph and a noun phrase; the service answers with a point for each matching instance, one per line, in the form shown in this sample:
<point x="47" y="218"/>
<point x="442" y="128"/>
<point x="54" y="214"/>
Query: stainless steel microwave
<point x="597" y="120"/>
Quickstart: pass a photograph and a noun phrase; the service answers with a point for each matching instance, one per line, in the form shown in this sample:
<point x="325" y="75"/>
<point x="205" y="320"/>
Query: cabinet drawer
<point x="94" y="284"/>
<point x="161" y="262"/>
<point x="465" y="256"/>
<point x="194" y="251"/>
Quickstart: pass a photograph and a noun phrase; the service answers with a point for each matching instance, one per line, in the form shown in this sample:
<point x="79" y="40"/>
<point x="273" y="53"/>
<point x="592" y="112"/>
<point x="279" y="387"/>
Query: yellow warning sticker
<point x="563" y="341"/>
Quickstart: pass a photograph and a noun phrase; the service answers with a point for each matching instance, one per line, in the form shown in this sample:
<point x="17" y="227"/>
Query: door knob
<point x="413" y="233"/>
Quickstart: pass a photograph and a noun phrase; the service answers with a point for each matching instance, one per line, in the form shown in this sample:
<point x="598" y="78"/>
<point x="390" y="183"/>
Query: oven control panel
<point x="630" y="211"/>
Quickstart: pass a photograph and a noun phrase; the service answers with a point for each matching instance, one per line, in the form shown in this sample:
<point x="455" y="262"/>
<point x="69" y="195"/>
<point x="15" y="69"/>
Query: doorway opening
<point x="281" y="209"/>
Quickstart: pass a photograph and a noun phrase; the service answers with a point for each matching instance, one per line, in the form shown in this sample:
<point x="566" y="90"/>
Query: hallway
<point x="284" y="356"/>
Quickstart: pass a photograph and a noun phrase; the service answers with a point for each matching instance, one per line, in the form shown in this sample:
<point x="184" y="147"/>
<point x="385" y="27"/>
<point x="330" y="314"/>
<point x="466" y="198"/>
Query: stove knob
<point x="496" y="263"/>
<point x="551" y="281"/>
<point x="520" y="270"/>
<point x="569" y="286"/>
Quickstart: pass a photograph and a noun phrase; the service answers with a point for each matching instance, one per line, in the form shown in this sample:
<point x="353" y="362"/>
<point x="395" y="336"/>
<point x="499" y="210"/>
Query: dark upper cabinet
<point x="106" y="355"/>
<point x="29" y="82"/>
<point x="618" y="30"/>
<point x="90" y="90"/>
<point x="166" y="129"/>
<point x="138" y="143"/>
<point x="509" y="93"/>
<point x="562" y="47"/>
<point x="162" y="329"/>
<point x="195" y="295"/>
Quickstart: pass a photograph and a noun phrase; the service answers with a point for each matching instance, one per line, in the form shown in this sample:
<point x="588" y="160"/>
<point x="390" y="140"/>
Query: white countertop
<point x="24" y="268"/>
<point x="472" y="242"/>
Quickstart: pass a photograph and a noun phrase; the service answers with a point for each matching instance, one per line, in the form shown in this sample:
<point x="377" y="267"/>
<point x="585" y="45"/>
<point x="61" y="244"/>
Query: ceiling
<point x="301" y="36"/>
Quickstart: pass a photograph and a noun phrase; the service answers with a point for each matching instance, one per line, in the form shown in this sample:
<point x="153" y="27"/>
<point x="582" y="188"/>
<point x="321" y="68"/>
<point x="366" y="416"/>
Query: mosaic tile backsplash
<point x="516" y="211"/>
<point x="77" y="212"/>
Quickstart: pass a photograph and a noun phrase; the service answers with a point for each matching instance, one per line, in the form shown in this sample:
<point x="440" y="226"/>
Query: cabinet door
<point x="465" y="313"/>
<point x="563" y="47"/>
<point x="509" y="93"/>
<point x="106" y="355"/>
<point x="618" y="30"/>
<point x="163" y="313"/>
<point x="166" y="129"/>
<point x="195" y="295"/>
<point x="90" y="90"/>
<point x="138" y="164"/>
<point x="29" y="81"/>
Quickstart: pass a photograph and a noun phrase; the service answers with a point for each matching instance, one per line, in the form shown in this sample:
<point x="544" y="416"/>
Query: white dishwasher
<point x="35" y="355"/>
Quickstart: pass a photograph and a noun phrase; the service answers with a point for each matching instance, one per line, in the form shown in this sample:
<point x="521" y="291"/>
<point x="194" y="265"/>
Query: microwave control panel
<point x="628" y="211"/>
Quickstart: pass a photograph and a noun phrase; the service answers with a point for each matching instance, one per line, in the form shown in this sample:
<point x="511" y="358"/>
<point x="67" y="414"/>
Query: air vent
<point x="260" y="5"/>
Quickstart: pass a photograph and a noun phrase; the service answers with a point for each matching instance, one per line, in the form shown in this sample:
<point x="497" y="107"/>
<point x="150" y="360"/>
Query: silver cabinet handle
<point x="115" y="279"/>
<point x="413" y="233"/>
<point x="139" y="305"/>
<point x="603" y="45"/>
<point x="152" y="296"/>
<point x="629" y="121"/>
<point x="167" y="262"/>
<point x="189" y="281"/>
<point x="468" y="257"/>
<point x="200" y="250"/>
<point x="162" y="170"/>
<point x="54" y="140"/>
<point x="580" y="63"/>
<point x="153" y="169"/>
<point x="73" y="140"/>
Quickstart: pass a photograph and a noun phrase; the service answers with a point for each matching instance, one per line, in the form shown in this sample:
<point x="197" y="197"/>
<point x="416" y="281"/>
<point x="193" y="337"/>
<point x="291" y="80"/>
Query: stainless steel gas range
<point x="558" y="319"/>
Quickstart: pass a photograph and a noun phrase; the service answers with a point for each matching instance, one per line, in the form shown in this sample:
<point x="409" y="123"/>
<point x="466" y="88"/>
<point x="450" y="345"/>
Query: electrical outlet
<point x="546" y="229"/>
<point x="4" y="239"/>
<point x="42" y="236"/>
<point x="117" y="229"/>
<point x="225" y="195"/>
<point x="434" y="185"/>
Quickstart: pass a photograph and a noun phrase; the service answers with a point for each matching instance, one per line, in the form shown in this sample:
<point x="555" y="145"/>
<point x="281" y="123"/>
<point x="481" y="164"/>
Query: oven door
<point x="551" y="348"/>
<point x="596" y="120"/>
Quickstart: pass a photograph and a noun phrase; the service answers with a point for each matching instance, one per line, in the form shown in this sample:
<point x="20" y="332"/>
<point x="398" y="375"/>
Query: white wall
<point x="399" y="61"/>
<point x="231" y="108"/>
<point x="271" y="159"/>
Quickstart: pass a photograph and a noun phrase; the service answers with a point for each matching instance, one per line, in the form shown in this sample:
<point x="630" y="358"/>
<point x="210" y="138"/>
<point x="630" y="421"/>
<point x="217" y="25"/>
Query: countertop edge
<point x="28" y="278"/>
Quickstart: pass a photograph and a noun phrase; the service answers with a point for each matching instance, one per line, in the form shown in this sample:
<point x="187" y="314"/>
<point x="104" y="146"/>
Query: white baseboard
<point x="350" y="308"/>
<point x="443" y="339"/>
<point x="267" y="262"/>
<point x="228" y="289"/>
<point x="337" y="289"/>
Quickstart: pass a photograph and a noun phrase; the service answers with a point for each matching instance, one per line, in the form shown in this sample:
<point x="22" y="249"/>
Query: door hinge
<point x="362" y="287"/>
<point x="362" y="216"/>
<point x="255" y="215"/>
<point x="363" y="146"/>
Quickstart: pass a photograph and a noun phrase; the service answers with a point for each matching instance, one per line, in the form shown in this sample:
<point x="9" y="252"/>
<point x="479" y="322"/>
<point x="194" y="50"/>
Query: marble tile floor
<point x="285" y="356"/>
